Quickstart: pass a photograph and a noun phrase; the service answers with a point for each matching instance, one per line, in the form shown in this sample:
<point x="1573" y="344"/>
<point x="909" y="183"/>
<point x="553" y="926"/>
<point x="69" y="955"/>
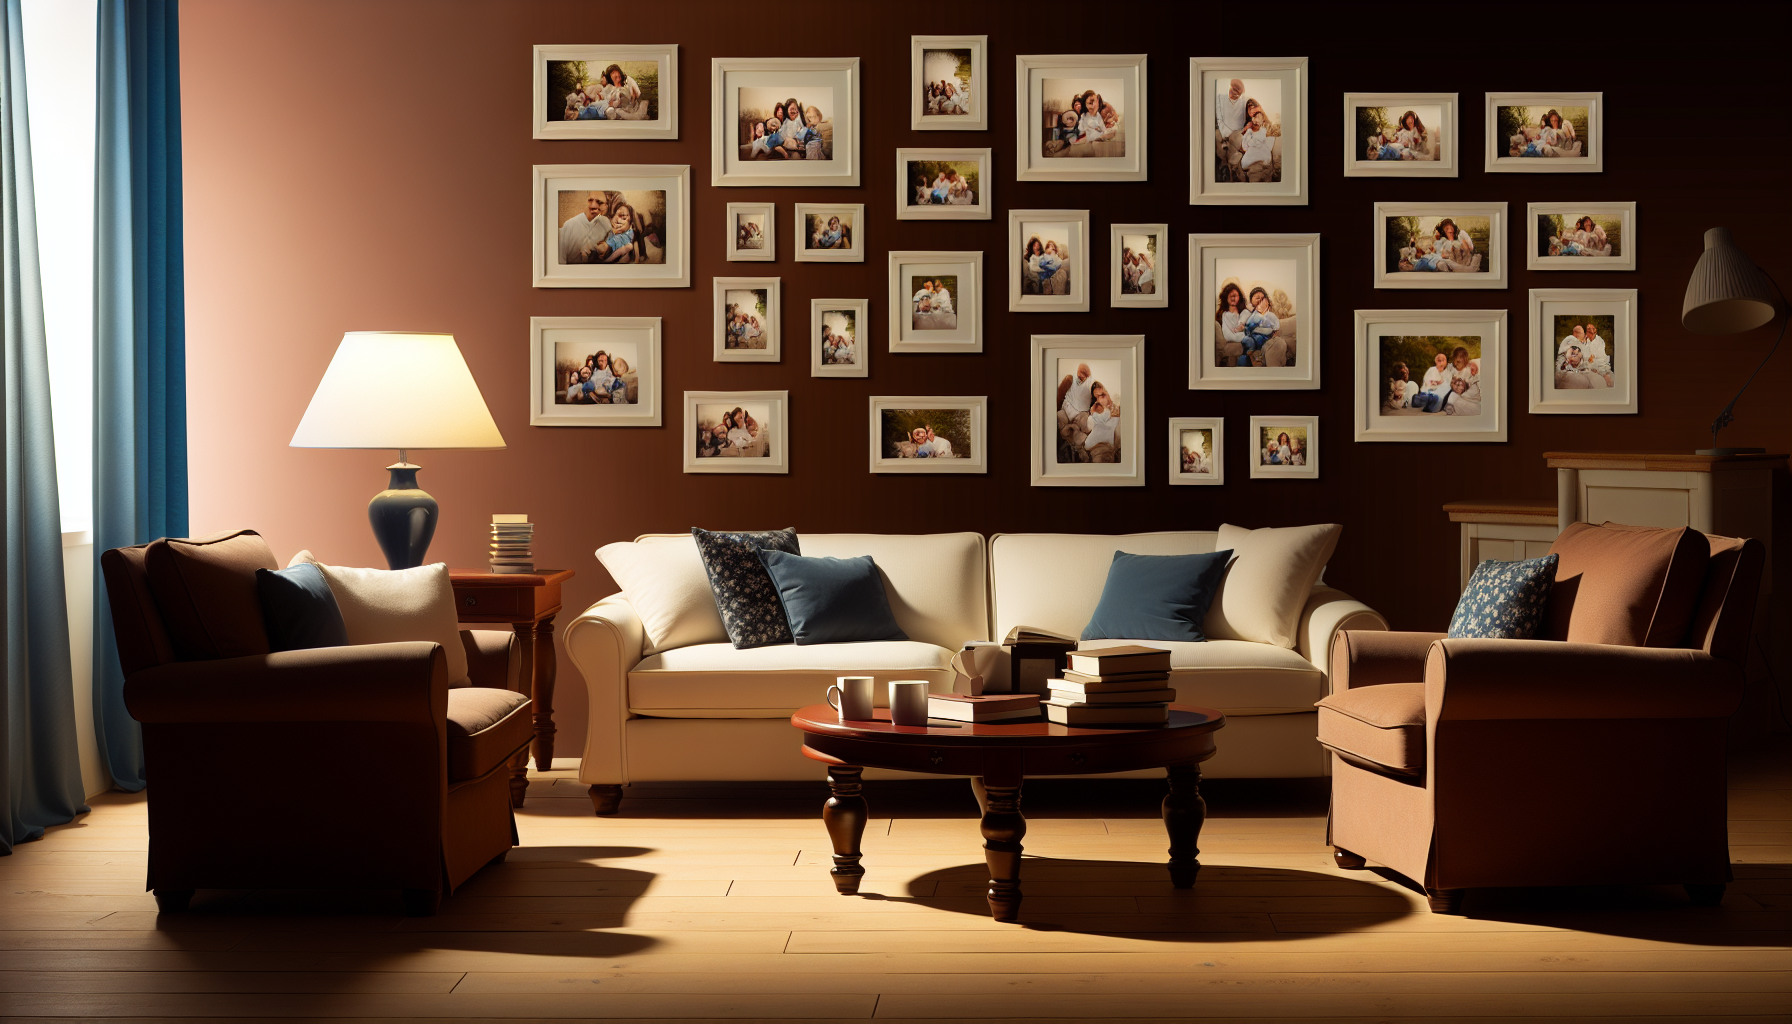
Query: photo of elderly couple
<point x="601" y="226"/>
<point x="1088" y="403"/>
<point x="926" y="433"/>
<point x="1391" y="134"/>
<point x="1255" y="315"/>
<point x="1544" y="132"/>
<point x="603" y="377"/>
<point x="1431" y="375"/>
<point x="744" y="322"/>
<point x="1584" y="361"/>
<point x="932" y="301"/>
<point x="741" y="431"/>
<point x="1586" y="235"/>
<point x="626" y="90"/>
<point x="780" y="124"/>
<point x="1247" y="129"/>
<point x="1084" y="117"/>
<point x="943" y="183"/>
<point x="1438" y="245"/>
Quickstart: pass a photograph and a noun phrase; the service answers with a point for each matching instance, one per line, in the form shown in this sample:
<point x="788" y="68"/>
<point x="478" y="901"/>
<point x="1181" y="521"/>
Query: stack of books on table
<point x="1113" y="686"/>
<point x="993" y="707"/>
<point x="513" y="538"/>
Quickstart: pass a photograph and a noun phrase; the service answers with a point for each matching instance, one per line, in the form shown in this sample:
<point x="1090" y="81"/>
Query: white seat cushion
<point x="1237" y="676"/>
<point x="717" y="681"/>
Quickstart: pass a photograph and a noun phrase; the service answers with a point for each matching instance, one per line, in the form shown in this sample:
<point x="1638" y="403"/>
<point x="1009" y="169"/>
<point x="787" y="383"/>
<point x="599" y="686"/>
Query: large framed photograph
<point x="1285" y="447"/>
<point x="612" y="226"/>
<point x="1400" y="135"/>
<point x="947" y="83"/>
<point x="606" y="92"/>
<point x="830" y="232"/>
<point x="1546" y="132"/>
<point x="1138" y="260"/>
<point x="594" y="371"/>
<point x="1247" y="131"/>
<point x="1431" y="375"/>
<point x="1081" y="117"/>
<point x="944" y="184"/>
<point x="1254" y="323"/>
<point x="1440" y="245"/>
<point x="936" y="302"/>
<point x="1048" y="261"/>
<point x="749" y="318"/>
<point x="928" y="435"/>
<point x="1197" y="450"/>
<point x="752" y="232"/>
<point x="1580" y="236"/>
<point x="1583" y="350"/>
<point x="1088" y="404"/>
<point x="736" y="432"/>
<point x="784" y="121"/>
<point x="839" y="337"/>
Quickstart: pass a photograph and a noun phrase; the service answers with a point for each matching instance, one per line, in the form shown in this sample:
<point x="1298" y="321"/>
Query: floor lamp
<point x="1729" y="294"/>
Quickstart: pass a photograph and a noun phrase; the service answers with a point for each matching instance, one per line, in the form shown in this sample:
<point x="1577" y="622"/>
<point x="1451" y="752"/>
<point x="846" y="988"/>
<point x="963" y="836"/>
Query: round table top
<point x="823" y="720"/>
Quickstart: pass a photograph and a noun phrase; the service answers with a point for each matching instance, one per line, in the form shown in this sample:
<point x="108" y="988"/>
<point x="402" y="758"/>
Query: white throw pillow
<point x="383" y="606"/>
<point x="1268" y="580"/>
<point x="665" y="581"/>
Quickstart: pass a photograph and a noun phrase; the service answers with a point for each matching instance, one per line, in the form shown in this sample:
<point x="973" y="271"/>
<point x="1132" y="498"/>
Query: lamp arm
<point x="1726" y="417"/>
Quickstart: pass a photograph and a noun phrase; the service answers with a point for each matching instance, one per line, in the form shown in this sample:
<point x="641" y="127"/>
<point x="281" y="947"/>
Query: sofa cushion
<point x="1272" y="574"/>
<point x="744" y="593"/>
<point x="1238" y="677"/>
<point x="664" y="581"/>
<point x="831" y="600"/>
<point x="1383" y="725"/>
<point x="384" y="606"/>
<point x="719" y="681"/>
<point x="298" y="609"/>
<point x="1156" y="597"/>
<point x="485" y="727"/>
<point x="1633" y="586"/>
<point x="205" y="590"/>
<point x="1504" y="600"/>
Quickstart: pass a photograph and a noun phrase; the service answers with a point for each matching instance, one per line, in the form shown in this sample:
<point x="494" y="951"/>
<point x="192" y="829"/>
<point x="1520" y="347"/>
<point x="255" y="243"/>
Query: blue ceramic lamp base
<point x="403" y="517"/>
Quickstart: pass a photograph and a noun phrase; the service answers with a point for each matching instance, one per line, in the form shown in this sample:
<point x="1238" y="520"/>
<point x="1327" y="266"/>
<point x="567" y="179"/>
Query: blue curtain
<point x="139" y="328"/>
<point x="40" y="770"/>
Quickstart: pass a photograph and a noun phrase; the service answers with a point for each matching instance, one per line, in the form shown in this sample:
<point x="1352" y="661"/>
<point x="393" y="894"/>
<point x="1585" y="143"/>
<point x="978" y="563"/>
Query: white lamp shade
<point x="1727" y="293"/>
<point x="397" y="389"/>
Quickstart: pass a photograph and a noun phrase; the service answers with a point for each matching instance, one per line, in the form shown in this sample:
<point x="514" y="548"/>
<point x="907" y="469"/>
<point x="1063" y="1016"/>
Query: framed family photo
<point x="1546" y="132"/>
<point x="947" y="83"/>
<point x="594" y="371"/>
<point x="1580" y="236"/>
<point x="1583" y="350"/>
<point x="752" y="232"/>
<point x="943" y="184"/>
<point x="1431" y="375"/>
<point x="1048" y="261"/>
<point x="1440" y="245"/>
<point x="748" y="314"/>
<point x="830" y="233"/>
<point x="1247" y="131"/>
<point x="612" y="226"/>
<point x="928" y="435"/>
<point x="936" y="302"/>
<point x="839" y="337"/>
<point x="1138" y="260"/>
<point x="784" y="121"/>
<point x="606" y="92"/>
<point x="1197" y="450"/>
<point x="1285" y="447"/>
<point x="1254" y="320"/>
<point x="736" y="432"/>
<point x="1081" y="117"/>
<point x="1400" y="135"/>
<point x="1087" y="407"/>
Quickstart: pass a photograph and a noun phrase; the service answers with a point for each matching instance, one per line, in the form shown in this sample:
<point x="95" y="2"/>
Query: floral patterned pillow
<point x="1505" y="600"/>
<point x="745" y="595"/>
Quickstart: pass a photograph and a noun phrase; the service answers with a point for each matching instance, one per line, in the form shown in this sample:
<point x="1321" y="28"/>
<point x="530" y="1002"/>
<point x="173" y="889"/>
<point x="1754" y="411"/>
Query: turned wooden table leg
<point x="1003" y="829"/>
<point x="605" y="798"/>
<point x="1184" y="814"/>
<point x="519" y="768"/>
<point x="542" y="693"/>
<point x="845" y="815"/>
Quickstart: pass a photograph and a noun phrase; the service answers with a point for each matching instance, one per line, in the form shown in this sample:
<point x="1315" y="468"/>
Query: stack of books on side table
<point x="513" y="539"/>
<point x="1113" y="686"/>
<point x="997" y="707"/>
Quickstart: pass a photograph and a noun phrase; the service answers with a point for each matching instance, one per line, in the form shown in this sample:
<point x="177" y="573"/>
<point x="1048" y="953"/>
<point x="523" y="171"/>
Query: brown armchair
<point x="259" y="763"/>
<point x="1489" y="763"/>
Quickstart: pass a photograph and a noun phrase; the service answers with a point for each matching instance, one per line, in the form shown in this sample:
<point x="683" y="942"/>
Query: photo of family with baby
<point x="1083" y="117"/>
<point x="1281" y="445"/>
<point x="1255" y="319"/>
<point x="797" y="126"/>
<point x="1414" y="134"/>
<point x="946" y="83"/>
<point x="1247" y="130"/>
<point x="1138" y="264"/>
<point x="745" y="323"/>
<point x="943" y="183"/>
<point x="926" y="433"/>
<point x="932" y="302"/>
<point x="734" y="431"/>
<point x="1583" y="360"/>
<point x="612" y="227"/>
<point x="1438" y="245"/>
<point x="1431" y="375"/>
<point x="1045" y="260"/>
<point x="1088" y="403"/>
<point x="1543" y="132"/>
<point x="839" y="336"/>
<point x="603" y="377"/>
<point x="1585" y="235"/>
<point x="625" y="90"/>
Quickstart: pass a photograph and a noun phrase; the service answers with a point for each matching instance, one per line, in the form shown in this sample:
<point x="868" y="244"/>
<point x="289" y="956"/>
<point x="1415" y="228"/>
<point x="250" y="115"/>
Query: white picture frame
<point x="1066" y="162"/>
<point x="663" y="104"/>
<point x="592" y="334"/>
<point x="907" y="335"/>
<point x="1208" y="470"/>
<point x="765" y="219"/>
<point x="1554" y="394"/>
<point x="1026" y="225"/>
<point x="828" y="313"/>
<point x="1277" y="425"/>
<point x="1155" y="273"/>
<point x="776" y="454"/>
<point x="1440" y="153"/>
<point x="975" y="118"/>
<point x="856" y="232"/>
<point x="970" y="432"/>
<point x="1278" y="264"/>
<point x="1389" y="250"/>
<point x="732" y="164"/>
<point x="1620" y="251"/>
<point x="1499" y="146"/>
<point x="915" y="201"/>
<point x="673" y="181"/>
<point x="1476" y="414"/>
<point x="732" y="291"/>
<point x="1207" y="187"/>
<point x="1124" y="356"/>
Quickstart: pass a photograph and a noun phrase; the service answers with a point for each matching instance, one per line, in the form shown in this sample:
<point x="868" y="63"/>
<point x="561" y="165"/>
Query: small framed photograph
<point x="830" y="232"/>
<point x="1048" y="261"/>
<point x="1430" y="375"/>
<point x="1285" y="447"/>
<point x="1247" y="131"/>
<point x="1088" y="404"/>
<point x="784" y="121"/>
<point x="839" y="337"/>
<point x="1583" y="350"/>
<point x="736" y="431"/>
<point x="606" y="92"/>
<point x="1580" y="236"/>
<point x="1138" y="260"/>
<point x="1254" y="324"/>
<point x="943" y="184"/>
<point x="1440" y="245"/>
<point x="594" y="371"/>
<point x="1197" y="450"/>
<point x="928" y="435"/>
<point x="947" y="83"/>
<point x="612" y="226"/>
<point x="1400" y="135"/>
<point x="936" y="302"/>
<point x="748" y="315"/>
<point x="1546" y="132"/>
<point x="1081" y="117"/>
<point x="752" y="232"/>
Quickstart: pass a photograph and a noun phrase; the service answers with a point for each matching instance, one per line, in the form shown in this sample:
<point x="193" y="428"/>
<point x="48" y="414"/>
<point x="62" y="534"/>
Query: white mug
<point x="908" y="701"/>
<point x="851" y="696"/>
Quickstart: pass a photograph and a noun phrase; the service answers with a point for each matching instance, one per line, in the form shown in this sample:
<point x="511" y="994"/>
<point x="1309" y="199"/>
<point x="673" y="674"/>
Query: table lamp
<point x="1729" y="294"/>
<point x="404" y="390"/>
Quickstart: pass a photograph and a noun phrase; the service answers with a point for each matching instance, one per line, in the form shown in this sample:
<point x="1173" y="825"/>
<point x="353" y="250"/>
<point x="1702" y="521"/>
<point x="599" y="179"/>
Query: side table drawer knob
<point x="470" y="600"/>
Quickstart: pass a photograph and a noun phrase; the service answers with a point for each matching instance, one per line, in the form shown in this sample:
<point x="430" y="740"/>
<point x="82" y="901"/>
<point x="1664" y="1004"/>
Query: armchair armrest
<point x="604" y="643"/>
<point x="494" y="658"/>
<point x="1508" y="680"/>
<point x="1326" y="613"/>
<point x="1370" y="658"/>
<point x="398" y="682"/>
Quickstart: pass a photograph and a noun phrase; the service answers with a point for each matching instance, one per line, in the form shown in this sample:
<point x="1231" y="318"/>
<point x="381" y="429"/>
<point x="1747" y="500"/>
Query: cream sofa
<point x="709" y="712"/>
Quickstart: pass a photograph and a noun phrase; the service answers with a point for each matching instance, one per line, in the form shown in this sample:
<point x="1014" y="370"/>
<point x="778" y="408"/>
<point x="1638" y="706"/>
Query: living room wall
<point x="365" y="164"/>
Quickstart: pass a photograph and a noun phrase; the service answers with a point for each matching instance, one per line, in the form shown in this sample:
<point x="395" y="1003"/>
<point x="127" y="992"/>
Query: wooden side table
<point x="527" y="602"/>
<point x="1507" y="530"/>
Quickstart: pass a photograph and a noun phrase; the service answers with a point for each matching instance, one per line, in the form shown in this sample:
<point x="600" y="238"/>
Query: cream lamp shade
<point x="401" y="390"/>
<point x="1727" y="293"/>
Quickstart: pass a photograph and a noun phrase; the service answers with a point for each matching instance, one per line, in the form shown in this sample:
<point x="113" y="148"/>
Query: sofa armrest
<point x="494" y="658"/>
<point x="1327" y="612"/>
<point x="604" y="643"/>
<point x="1508" y="680"/>
<point x="399" y="682"/>
<point x="1373" y="657"/>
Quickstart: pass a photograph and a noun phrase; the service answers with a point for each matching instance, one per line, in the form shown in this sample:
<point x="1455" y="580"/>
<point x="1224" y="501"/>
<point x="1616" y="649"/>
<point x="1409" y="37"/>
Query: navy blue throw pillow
<point x="299" y="609"/>
<point x="745" y="597"/>
<point x="1505" y="600"/>
<point x="1157" y="597"/>
<point x="832" y="600"/>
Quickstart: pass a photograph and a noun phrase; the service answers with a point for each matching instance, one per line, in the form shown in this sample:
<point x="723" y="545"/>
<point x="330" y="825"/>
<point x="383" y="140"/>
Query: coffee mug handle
<point x="834" y="697"/>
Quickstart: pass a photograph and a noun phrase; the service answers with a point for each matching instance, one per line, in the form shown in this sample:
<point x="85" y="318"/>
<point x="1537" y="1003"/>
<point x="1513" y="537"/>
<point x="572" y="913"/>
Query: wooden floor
<point x="714" y="903"/>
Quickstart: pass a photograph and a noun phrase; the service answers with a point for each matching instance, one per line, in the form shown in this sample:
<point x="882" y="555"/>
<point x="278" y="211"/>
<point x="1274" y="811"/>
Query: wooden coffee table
<point x="998" y="756"/>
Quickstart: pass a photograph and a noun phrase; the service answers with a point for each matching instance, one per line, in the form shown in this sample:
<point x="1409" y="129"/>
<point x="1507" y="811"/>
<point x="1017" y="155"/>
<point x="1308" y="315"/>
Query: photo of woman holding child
<point x="1083" y="118"/>
<point x="1285" y="446"/>
<point x="1440" y="245"/>
<point x="1045" y="265"/>
<point x="736" y="432"/>
<point x="827" y="233"/>
<point x="603" y="377"/>
<point x="612" y="227"/>
<point x="733" y="433"/>
<point x="1255" y="318"/>
<point x="1552" y="133"/>
<point x="1088" y="402"/>
<point x="793" y="126"/>
<point x="745" y="322"/>
<point x="606" y="92"/>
